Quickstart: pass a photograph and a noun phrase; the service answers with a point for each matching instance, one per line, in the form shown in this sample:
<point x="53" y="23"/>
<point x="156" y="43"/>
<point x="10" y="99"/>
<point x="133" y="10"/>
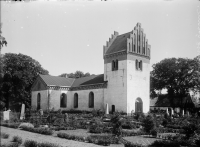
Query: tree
<point x="77" y="74"/>
<point x="19" y="73"/>
<point x="178" y="76"/>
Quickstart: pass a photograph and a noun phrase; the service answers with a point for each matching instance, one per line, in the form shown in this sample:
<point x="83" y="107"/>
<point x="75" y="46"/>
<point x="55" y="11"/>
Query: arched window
<point x="91" y="100"/>
<point x="116" y="64"/>
<point x="63" y="100"/>
<point x="75" y="100"/>
<point x="138" y="105"/>
<point x="38" y="101"/>
<point x="136" y="64"/>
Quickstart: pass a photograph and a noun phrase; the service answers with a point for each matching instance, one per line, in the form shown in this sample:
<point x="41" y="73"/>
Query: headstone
<point x="41" y="112"/>
<point x="66" y="117"/>
<point x="6" y="115"/>
<point x="172" y="111"/>
<point x="167" y="111"/>
<point x="22" y="116"/>
<point x="107" y="109"/>
<point x="183" y="112"/>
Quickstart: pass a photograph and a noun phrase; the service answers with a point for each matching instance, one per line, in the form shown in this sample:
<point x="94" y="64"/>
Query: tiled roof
<point x="70" y="82"/>
<point x="57" y="81"/>
<point x="94" y="79"/>
<point x="120" y="43"/>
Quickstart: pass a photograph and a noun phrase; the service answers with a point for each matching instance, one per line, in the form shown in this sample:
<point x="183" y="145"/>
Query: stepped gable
<point x="134" y="42"/>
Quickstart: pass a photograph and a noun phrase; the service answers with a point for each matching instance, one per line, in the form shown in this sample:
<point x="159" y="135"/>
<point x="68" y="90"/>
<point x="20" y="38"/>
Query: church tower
<point x="127" y="71"/>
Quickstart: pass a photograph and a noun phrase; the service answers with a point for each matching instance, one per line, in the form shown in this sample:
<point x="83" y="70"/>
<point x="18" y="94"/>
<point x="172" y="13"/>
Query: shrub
<point x="96" y="139"/>
<point x="30" y="143"/>
<point x="45" y="131"/>
<point x="103" y="139"/>
<point x="10" y="125"/>
<point x="4" y="135"/>
<point x="189" y="129"/>
<point x="28" y="125"/>
<point x="130" y="144"/>
<point x="14" y="144"/>
<point x="164" y="143"/>
<point x="153" y="132"/>
<point x="148" y="123"/>
<point x="47" y="144"/>
<point x="17" y="139"/>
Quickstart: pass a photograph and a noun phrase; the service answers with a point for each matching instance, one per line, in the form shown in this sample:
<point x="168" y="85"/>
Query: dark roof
<point x="164" y="101"/>
<point x="120" y="43"/>
<point x="94" y="79"/>
<point x="57" y="81"/>
<point x="70" y="82"/>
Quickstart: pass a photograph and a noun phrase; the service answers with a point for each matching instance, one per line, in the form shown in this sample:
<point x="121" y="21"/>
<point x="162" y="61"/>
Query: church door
<point x="138" y="105"/>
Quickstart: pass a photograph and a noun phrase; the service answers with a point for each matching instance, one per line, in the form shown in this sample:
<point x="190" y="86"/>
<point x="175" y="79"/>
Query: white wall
<point x="83" y="99"/>
<point x="44" y="99"/>
<point x="116" y="93"/>
<point x="138" y="85"/>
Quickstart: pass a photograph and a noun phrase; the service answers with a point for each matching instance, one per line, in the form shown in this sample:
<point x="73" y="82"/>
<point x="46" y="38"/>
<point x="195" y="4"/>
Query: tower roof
<point x="119" y="44"/>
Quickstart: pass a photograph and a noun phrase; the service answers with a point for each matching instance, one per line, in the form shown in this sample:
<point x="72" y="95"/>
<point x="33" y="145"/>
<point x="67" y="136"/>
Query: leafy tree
<point x="19" y="72"/>
<point x="178" y="76"/>
<point x="77" y="74"/>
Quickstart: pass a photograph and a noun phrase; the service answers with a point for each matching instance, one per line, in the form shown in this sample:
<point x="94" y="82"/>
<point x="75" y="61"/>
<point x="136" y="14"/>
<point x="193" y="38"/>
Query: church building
<point x="124" y="85"/>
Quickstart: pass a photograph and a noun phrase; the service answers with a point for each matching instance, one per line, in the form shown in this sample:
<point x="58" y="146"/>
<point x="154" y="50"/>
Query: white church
<point x="124" y="85"/>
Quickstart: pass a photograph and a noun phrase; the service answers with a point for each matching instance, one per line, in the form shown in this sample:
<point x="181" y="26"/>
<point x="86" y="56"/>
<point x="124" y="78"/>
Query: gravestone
<point x="107" y="109"/>
<point x="41" y="112"/>
<point x="167" y="111"/>
<point x="66" y="117"/>
<point x="183" y="113"/>
<point x="22" y="116"/>
<point x="6" y="115"/>
<point x="172" y="111"/>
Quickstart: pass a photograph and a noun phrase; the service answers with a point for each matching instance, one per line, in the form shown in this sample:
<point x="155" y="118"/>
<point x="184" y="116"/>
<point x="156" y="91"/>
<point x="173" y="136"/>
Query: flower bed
<point x="10" y="125"/>
<point x="96" y="139"/>
<point x="45" y="131"/>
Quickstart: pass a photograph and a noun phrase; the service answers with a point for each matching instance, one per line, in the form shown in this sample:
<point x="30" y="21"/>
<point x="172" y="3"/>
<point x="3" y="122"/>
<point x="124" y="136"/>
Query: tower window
<point x="115" y="65"/>
<point x="140" y="65"/>
<point x="136" y="64"/>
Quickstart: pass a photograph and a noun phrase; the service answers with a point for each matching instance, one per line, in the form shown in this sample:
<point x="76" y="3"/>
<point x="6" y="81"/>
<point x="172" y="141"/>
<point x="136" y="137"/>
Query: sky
<point x="65" y="36"/>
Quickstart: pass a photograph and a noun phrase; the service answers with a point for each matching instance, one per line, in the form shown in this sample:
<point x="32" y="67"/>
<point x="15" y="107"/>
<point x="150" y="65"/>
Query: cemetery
<point x="106" y="129"/>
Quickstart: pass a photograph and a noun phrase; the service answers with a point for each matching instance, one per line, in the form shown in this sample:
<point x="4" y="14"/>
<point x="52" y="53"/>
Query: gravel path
<point x="25" y="135"/>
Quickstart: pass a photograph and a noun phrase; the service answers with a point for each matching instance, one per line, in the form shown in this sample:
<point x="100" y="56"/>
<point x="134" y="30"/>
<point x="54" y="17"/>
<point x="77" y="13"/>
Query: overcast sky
<point x="67" y="36"/>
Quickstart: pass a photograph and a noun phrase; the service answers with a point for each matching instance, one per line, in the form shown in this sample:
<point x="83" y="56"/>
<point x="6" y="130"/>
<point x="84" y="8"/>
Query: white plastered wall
<point x="44" y="99"/>
<point x="115" y="93"/>
<point x="138" y="85"/>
